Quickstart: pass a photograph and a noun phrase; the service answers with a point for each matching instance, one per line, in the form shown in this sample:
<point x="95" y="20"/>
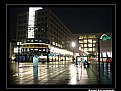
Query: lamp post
<point x="99" y="57"/>
<point x="73" y="45"/>
<point x="18" y="44"/>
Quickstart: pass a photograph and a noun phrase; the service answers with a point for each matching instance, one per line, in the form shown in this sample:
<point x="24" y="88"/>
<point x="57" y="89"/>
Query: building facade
<point x="49" y="34"/>
<point x="88" y="44"/>
<point x="12" y="44"/>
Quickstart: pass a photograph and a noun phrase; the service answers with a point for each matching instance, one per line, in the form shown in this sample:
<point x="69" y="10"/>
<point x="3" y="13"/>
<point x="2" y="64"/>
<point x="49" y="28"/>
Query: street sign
<point x="105" y="37"/>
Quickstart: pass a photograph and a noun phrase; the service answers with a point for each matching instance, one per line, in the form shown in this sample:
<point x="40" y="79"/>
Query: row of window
<point x="22" y="27"/>
<point x="58" y="24"/>
<point x="42" y="24"/>
<point x="87" y="45"/>
<point x="22" y="16"/>
<point x="58" y="31"/>
<point x="87" y="41"/>
<point x="42" y="36"/>
<point x="21" y="32"/>
<point x="22" y="22"/>
<point x="87" y="36"/>
<point x="87" y="49"/>
<point x="41" y="13"/>
<point x="41" y="19"/>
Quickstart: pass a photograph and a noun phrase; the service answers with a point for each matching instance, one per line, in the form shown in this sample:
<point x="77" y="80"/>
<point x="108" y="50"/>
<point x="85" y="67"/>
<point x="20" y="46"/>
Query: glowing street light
<point x="73" y="44"/>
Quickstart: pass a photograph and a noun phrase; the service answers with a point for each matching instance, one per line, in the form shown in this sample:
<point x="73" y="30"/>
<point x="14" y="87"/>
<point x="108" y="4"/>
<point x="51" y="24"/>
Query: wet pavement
<point x="58" y="73"/>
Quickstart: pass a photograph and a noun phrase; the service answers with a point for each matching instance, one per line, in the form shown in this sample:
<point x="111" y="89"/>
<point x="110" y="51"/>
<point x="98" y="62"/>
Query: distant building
<point x="87" y="43"/>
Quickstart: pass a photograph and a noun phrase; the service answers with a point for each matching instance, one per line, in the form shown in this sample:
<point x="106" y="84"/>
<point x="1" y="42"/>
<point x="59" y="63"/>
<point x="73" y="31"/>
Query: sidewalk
<point x="105" y="74"/>
<point x="56" y="73"/>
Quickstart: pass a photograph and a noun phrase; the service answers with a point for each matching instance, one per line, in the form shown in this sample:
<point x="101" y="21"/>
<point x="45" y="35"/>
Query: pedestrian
<point x="85" y="64"/>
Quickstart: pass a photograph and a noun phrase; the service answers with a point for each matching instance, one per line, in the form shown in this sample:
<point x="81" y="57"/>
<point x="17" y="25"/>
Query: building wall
<point x="11" y="49"/>
<point x="50" y="27"/>
<point x="88" y="43"/>
<point x="22" y="24"/>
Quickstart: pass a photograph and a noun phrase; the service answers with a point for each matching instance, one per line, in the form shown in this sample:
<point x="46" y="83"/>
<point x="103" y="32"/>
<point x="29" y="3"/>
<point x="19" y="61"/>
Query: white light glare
<point x="73" y="44"/>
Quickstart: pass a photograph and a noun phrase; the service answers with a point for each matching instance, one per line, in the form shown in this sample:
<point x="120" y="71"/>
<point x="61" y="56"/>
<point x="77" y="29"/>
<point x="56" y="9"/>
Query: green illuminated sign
<point x="105" y="37"/>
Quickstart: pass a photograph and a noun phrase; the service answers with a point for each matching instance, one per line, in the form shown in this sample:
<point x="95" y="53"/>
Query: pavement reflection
<point x="54" y="73"/>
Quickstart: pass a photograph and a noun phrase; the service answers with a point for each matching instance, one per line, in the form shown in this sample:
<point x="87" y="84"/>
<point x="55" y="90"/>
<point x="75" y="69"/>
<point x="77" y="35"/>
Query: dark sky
<point x="77" y="19"/>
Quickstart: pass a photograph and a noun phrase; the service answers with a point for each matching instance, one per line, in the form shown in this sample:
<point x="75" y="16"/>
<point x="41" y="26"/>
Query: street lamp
<point x="18" y="44"/>
<point x="73" y="45"/>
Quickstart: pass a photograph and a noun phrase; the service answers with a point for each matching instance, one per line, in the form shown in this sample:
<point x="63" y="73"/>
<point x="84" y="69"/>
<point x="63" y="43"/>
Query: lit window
<point x="79" y="48"/>
<point x="94" y="49"/>
<point x="85" y="37"/>
<point x="90" y="49"/>
<point x="90" y="40"/>
<point x="94" y="36"/>
<point x="56" y="44"/>
<point x="81" y="45"/>
<point x="85" y="45"/>
<point x="104" y="54"/>
<point x="85" y="49"/>
<point x="93" y="45"/>
<point x="53" y="43"/>
<point x="94" y="41"/>
<point x="89" y="36"/>
<point x="43" y="49"/>
<point x="109" y="54"/>
<point x="80" y="41"/>
<point x="89" y="45"/>
<point x="80" y="37"/>
<point x="85" y="41"/>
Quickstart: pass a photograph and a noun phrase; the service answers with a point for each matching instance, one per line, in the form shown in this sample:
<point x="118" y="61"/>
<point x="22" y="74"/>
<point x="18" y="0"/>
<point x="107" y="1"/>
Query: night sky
<point x="77" y="19"/>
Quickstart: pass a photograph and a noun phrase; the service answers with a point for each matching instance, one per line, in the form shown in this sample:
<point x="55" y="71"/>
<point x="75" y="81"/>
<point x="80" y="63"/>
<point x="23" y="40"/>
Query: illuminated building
<point x="12" y="44"/>
<point x="41" y="31"/>
<point x="87" y="44"/>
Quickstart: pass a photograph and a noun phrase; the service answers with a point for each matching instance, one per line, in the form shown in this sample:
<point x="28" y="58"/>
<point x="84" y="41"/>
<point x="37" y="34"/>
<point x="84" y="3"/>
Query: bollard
<point x="35" y="61"/>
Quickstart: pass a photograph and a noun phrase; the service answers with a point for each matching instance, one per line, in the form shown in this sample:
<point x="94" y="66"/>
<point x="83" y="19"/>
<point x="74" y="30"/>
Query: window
<point x="80" y="48"/>
<point x="85" y="37"/>
<point x="94" y="41"/>
<point x="89" y="49"/>
<point x="41" y="35"/>
<point x="38" y="19"/>
<point x="21" y="27"/>
<point x="80" y="37"/>
<point x="89" y="45"/>
<point x="24" y="21"/>
<point x="53" y="43"/>
<point x="93" y="45"/>
<point x="89" y="36"/>
<point x="81" y="45"/>
<point x="89" y="40"/>
<point x="80" y="41"/>
<point x="18" y="27"/>
<point x="19" y="17"/>
<point x="45" y="18"/>
<point x="42" y="18"/>
<point x="42" y="13"/>
<point x="42" y="24"/>
<point x="85" y="45"/>
<point x="85" y="41"/>
<point x="24" y="26"/>
<point x="45" y="12"/>
<point x="85" y="49"/>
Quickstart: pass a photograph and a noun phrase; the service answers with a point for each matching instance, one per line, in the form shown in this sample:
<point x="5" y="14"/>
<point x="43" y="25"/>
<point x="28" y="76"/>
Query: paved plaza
<point x="59" y="73"/>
